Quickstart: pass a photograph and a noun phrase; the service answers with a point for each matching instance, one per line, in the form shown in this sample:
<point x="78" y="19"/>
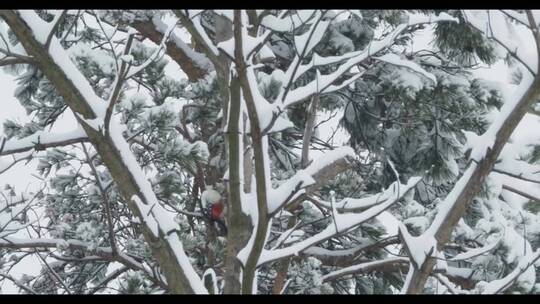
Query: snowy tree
<point x="197" y="161"/>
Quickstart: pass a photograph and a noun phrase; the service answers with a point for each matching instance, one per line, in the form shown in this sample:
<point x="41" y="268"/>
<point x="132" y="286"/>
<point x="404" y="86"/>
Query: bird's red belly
<point x="217" y="209"/>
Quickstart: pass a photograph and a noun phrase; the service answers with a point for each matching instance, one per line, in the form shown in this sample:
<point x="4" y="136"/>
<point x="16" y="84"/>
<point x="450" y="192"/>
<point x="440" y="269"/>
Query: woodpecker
<point x="214" y="207"/>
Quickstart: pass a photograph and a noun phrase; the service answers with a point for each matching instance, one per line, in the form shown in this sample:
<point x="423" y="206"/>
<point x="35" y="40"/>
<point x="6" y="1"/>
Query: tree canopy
<point x="354" y="152"/>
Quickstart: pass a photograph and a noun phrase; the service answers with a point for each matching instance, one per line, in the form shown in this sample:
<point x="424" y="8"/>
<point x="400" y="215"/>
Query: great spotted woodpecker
<point x="214" y="207"/>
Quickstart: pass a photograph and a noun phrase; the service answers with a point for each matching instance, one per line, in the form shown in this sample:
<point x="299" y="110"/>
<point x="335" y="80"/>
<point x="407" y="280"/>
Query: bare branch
<point x="522" y="193"/>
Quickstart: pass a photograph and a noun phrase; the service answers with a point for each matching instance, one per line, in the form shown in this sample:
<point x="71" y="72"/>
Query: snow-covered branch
<point x="162" y="48"/>
<point x="523" y="190"/>
<point x="394" y="59"/>
<point x="476" y="251"/>
<point x="317" y="196"/>
<point x="15" y="159"/>
<point x="350" y="60"/>
<point x="359" y="204"/>
<point x="345" y="257"/>
<point x="518" y="169"/>
<point x="340" y="224"/>
<point x="379" y="265"/>
<point x="196" y="65"/>
<point x="316" y="174"/>
<point x="42" y="140"/>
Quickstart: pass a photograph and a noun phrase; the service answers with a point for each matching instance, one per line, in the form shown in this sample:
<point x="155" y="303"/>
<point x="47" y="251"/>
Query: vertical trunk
<point x="229" y="94"/>
<point x="238" y="222"/>
<point x="250" y="266"/>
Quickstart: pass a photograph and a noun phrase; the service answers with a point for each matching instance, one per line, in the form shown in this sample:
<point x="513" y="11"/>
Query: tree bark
<point x="238" y="232"/>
